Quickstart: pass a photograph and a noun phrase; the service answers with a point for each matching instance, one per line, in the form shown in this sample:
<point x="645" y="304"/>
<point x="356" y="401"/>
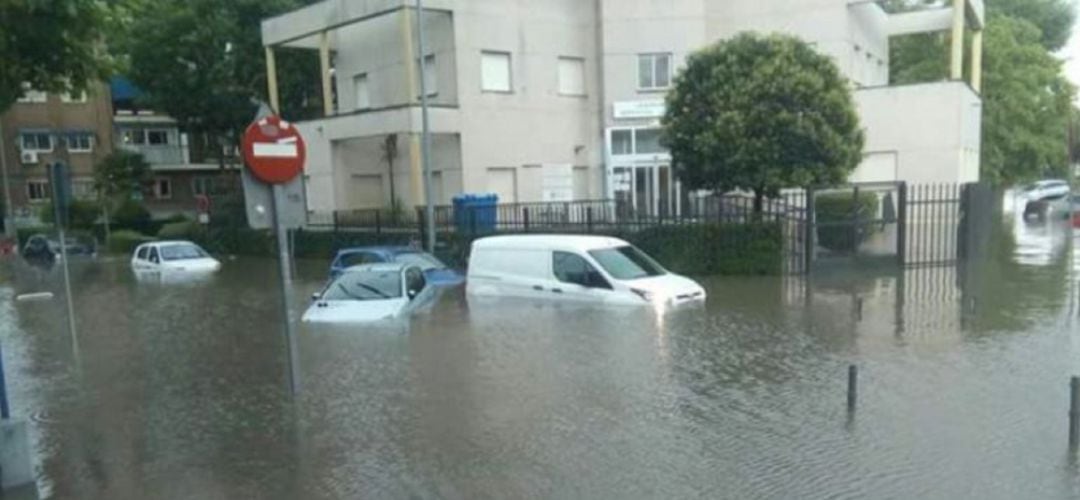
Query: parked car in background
<point x="371" y="292"/>
<point x="1046" y="189"/>
<point x="173" y="256"/>
<point x="593" y="269"/>
<point x="42" y="247"/>
<point x="436" y="273"/>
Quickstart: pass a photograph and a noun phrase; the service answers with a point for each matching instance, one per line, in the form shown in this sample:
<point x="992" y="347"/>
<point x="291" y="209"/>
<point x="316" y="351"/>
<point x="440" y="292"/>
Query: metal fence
<point x="911" y="225"/>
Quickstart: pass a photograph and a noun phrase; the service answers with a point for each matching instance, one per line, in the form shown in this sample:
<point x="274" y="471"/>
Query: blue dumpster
<point x="475" y="213"/>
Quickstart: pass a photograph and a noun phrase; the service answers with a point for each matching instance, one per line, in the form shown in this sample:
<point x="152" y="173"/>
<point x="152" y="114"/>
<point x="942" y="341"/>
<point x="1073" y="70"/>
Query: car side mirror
<point x="412" y="294"/>
<point x="316" y="296"/>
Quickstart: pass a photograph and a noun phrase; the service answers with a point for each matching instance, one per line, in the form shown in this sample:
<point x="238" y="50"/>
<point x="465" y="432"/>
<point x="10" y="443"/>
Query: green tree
<point x="1053" y="18"/>
<point x="761" y="113"/>
<point x="51" y="45"/>
<point x="202" y="62"/>
<point x="117" y="178"/>
<point x="1027" y="103"/>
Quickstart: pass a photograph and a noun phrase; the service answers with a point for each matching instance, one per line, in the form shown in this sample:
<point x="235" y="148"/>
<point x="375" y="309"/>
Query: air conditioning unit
<point x="28" y="157"/>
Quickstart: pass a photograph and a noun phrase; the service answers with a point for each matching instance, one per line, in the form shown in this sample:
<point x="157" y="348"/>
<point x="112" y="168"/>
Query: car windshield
<point x="627" y="263"/>
<point x="181" y="252"/>
<point x="365" y="285"/>
<point x="424" y="261"/>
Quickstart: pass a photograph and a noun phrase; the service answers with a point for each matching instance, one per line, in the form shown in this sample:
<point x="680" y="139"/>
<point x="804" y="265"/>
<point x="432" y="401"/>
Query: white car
<point x="1046" y="189"/>
<point x="369" y="293"/>
<point x="594" y="269"/>
<point x="173" y="256"/>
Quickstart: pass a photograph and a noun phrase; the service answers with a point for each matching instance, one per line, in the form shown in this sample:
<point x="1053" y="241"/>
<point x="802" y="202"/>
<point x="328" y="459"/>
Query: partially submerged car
<point x="173" y="256"/>
<point x="435" y="271"/>
<point x="47" y="247"/>
<point x="370" y="293"/>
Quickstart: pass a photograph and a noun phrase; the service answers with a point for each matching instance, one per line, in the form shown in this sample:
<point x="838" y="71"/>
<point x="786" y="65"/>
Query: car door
<point x="416" y="288"/>
<point x="577" y="279"/>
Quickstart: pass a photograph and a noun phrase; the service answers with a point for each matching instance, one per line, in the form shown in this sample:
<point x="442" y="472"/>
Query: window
<point x="202" y="186"/>
<point x="647" y="141"/>
<point x="571" y="76"/>
<point x="622" y="142"/>
<point x="627" y="263"/>
<point x="157" y="137"/>
<point x="134" y="137"/>
<point x="37" y="190"/>
<point x="162" y="189"/>
<point x="573" y="268"/>
<point x="414" y="282"/>
<point x="79" y="98"/>
<point x="654" y="71"/>
<point x="32" y="96"/>
<point x="79" y="142"/>
<point x="36" y="141"/>
<point x="360" y="258"/>
<point x="424" y="261"/>
<point x="365" y="285"/>
<point x="83" y="189"/>
<point x="142" y="253"/>
<point x="182" y="251"/>
<point x="154" y="255"/>
<point x="360" y="87"/>
<point x="495" y="72"/>
<point x="431" y="82"/>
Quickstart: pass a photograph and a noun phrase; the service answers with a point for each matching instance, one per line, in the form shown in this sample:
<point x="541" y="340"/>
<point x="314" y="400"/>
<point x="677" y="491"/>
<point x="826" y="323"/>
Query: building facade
<point x="44" y="128"/>
<point x="183" y="168"/>
<point x="561" y="99"/>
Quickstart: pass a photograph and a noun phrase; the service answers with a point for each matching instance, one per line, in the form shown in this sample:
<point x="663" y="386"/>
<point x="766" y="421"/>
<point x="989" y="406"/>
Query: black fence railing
<point x="913" y="225"/>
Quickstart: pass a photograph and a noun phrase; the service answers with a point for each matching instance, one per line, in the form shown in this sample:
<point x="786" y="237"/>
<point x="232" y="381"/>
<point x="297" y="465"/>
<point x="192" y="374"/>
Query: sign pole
<point x="429" y="207"/>
<point x="60" y="181"/>
<point x="286" y="285"/>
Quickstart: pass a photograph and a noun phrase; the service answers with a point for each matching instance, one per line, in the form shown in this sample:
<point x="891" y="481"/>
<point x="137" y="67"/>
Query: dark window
<point x="36" y="141"/>
<point x="573" y="268"/>
<point x="414" y="281"/>
<point x="369" y="285"/>
<point x="141" y="254"/>
<point x="154" y="255"/>
<point x="360" y="258"/>
<point x="157" y="137"/>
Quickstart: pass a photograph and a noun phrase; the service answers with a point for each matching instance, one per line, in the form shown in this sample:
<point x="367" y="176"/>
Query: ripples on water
<point x="181" y="390"/>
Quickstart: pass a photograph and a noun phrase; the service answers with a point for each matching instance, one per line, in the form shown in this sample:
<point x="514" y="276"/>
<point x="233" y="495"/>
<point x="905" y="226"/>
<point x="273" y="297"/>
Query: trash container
<point x="475" y="213"/>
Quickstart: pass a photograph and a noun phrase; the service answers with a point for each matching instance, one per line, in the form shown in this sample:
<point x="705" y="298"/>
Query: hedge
<point x="125" y="241"/>
<point x="835" y="215"/>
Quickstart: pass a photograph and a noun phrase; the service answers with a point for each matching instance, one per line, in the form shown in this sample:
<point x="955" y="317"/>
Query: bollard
<point x="1074" y="414"/>
<point x="852" y="386"/>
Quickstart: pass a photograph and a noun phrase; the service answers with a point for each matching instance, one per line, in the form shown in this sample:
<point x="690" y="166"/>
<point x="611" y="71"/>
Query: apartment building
<point x="561" y="99"/>
<point x="184" y="167"/>
<point x="44" y="128"/>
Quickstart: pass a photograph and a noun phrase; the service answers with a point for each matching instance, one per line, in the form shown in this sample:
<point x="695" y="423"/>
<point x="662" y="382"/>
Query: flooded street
<point x="178" y="390"/>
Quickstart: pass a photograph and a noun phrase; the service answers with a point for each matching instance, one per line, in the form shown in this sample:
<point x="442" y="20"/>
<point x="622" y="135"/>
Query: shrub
<point x="714" y="249"/>
<point x="125" y="241"/>
<point x="182" y="230"/>
<point x="132" y="215"/>
<point x="81" y="214"/>
<point x="837" y="218"/>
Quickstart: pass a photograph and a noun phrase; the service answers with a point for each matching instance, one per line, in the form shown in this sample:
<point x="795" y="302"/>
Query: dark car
<point x="435" y="272"/>
<point x="41" y="247"/>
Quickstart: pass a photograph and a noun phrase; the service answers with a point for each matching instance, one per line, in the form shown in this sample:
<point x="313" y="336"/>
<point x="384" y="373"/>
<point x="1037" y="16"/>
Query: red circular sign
<point x="274" y="150"/>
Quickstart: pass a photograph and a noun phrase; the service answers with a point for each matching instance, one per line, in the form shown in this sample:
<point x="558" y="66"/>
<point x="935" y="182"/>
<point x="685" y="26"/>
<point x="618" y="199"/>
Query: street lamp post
<point x="429" y="208"/>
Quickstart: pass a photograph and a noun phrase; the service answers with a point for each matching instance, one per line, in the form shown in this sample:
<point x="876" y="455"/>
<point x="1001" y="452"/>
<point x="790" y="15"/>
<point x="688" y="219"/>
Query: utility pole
<point x="429" y="209"/>
<point x="9" y="214"/>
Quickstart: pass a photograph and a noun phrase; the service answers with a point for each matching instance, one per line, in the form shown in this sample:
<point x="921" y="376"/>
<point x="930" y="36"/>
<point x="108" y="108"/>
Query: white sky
<point x="1071" y="54"/>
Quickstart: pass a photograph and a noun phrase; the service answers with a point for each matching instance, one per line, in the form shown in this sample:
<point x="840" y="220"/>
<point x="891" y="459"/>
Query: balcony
<point x="168" y="157"/>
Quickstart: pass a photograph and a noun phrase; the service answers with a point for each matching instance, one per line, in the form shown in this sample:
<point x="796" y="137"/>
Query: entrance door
<point x="644" y="191"/>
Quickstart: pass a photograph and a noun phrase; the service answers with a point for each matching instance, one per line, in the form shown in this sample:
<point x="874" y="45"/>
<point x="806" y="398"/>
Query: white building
<point x="558" y="99"/>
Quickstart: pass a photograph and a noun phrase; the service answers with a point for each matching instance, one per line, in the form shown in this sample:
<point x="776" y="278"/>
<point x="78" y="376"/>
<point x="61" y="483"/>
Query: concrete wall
<point x="533" y="124"/>
<point x="932" y="130"/>
<point x="361" y="175"/>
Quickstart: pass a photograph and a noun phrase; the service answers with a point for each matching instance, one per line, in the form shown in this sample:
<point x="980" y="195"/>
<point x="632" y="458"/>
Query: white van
<point x="579" y="268"/>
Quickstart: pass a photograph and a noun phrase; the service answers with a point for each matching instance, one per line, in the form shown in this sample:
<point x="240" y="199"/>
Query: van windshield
<point x="627" y="263"/>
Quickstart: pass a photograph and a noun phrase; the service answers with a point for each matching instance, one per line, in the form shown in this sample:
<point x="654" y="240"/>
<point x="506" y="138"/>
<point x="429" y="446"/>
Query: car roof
<point x="378" y="249"/>
<point x="549" y="241"/>
<point x="377" y="268"/>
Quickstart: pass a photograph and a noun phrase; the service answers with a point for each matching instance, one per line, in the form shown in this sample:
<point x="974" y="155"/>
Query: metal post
<point x="426" y="127"/>
<point x="525" y="216"/>
<point x="286" y="287"/>
<point x="588" y="219"/>
<point x="378" y="222"/>
<point x="9" y="210"/>
<point x="5" y="410"/>
<point x="809" y="230"/>
<point x="60" y="216"/>
<point x="1074" y="414"/>
<point x="901" y="223"/>
<point x="852" y="387"/>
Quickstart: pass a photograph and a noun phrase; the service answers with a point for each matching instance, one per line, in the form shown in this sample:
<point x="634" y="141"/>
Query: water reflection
<point x="182" y="389"/>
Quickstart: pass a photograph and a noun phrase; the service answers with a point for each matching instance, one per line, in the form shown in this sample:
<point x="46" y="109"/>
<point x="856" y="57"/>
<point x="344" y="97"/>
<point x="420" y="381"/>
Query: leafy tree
<point x="761" y="113"/>
<point x="1053" y="18"/>
<point x="116" y="178"/>
<point x="202" y="62"/>
<point x="51" y="45"/>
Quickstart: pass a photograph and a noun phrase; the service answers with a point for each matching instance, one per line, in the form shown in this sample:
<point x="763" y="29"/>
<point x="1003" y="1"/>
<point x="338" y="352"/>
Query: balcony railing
<point x="171" y="154"/>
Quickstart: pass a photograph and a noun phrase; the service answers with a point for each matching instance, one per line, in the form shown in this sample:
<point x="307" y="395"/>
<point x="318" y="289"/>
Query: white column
<point x="957" y="59"/>
<point x="324" y="71"/>
<point x="976" y="60"/>
<point x="271" y="80"/>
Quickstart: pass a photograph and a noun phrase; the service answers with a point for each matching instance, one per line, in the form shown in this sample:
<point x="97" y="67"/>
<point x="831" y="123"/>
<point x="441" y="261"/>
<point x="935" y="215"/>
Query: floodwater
<point x="178" y="390"/>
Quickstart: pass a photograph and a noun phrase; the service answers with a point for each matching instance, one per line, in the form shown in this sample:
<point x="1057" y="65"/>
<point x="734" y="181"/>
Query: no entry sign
<point x="274" y="150"/>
